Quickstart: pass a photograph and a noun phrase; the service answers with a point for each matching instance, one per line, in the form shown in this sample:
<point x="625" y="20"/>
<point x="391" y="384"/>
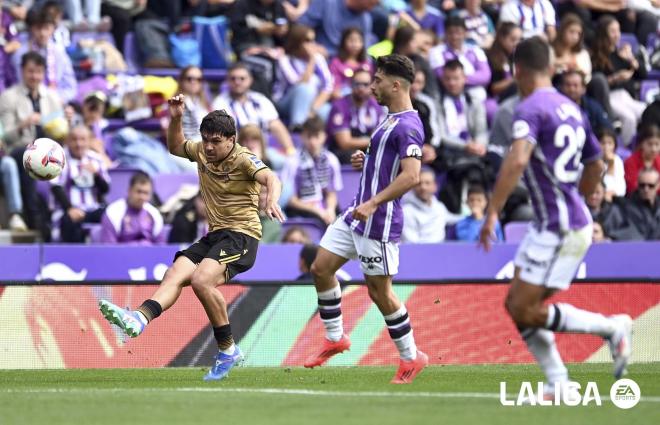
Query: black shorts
<point x="236" y="250"/>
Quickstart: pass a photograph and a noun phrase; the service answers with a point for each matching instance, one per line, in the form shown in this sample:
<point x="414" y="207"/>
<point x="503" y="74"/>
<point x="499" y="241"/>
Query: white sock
<point x="398" y="325"/>
<point x="542" y="345"/>
<point x="142" y="317"/>
<point x="230" y="350"/>
<point x="564" y="317"/>
<point x="330" y="312"/>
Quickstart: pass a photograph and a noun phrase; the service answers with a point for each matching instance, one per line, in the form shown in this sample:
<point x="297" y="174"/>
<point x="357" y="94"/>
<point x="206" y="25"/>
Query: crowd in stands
<point x="296" y="74"/>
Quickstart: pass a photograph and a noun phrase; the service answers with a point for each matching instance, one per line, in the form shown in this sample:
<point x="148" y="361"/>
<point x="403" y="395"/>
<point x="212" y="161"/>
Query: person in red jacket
<point x="647" y="155"/>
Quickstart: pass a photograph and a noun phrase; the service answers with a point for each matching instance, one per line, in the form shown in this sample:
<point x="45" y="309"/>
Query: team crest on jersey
<point x="338" y="119"/>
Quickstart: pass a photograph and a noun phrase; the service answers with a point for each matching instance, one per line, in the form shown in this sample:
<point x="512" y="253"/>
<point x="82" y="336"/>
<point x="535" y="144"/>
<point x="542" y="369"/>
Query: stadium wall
<point x="49" y="317"/>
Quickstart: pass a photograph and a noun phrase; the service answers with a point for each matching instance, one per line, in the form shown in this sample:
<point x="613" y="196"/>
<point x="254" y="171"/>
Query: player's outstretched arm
<point x="406" y="180"/>
<point x="273" y="190"/>
<point x="510" y="172"/>
<point x="175" y="137"/>
<point x="591" y="176"/>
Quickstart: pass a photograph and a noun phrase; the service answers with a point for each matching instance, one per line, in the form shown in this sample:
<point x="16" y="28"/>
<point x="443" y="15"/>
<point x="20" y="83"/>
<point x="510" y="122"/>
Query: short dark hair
<point x="453" y="65"/>
<point x="571" y="72"/>
<point x="38" y="17"/>
<point x="140" y="177"/>
<point x="476" y="189"/>
<point x="396" y="66"/>
<point x="647" y="131"/>
<point x="606" y="132"/>
<point x="308" y="254"/>
<point x="33" y="57"/>
<point x="455" y="21"/>
<point x="218" y="122"/>
<point x="313" y="126"/>
<point x="239" y="65"/>
<point x="533" y="54"/>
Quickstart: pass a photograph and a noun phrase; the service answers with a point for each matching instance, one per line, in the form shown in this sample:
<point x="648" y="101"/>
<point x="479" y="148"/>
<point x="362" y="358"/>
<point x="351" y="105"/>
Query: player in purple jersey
<point x="370" y="229"/>
<point x="554" y="147"/>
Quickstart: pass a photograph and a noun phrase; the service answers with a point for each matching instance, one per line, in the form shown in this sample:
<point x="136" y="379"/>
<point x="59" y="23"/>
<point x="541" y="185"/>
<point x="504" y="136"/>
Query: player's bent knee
<point x="201" y="281"/>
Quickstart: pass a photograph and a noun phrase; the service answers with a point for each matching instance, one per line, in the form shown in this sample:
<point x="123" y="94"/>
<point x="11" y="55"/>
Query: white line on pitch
<point x="277" y="391"/>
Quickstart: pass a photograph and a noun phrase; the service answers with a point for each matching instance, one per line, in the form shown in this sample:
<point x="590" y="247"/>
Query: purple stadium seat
<point x="310" y="225"/>
<point x="43" y="189"/>
<point x="623" y="152"/>
<point x="351" y="179"/>
<point x="515" y="231"/>
<point x="120" y="178"/>
<point x="627" y="38"/>
<point x="649" y="90"/>
<point x="131" y="54"/>
<point x="167" y="185"/>
<point x="94" y="231"/>
<point x="450" y="232"/>
<point x="149" y="124"/>
<point x="76" y="36"/>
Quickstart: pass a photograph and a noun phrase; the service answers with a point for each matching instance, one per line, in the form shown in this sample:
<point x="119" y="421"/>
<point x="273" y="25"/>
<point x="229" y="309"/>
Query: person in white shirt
<point x="614" y="178"/>
<point x="535" y="17"/>
<point x="424" y="217"/>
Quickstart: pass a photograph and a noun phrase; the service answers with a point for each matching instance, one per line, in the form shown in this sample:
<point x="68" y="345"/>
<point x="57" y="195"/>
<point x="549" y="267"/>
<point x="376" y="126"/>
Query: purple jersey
<point x="361" y="121"/>
<point x="433" y="19"/>
<point x="400" y="136"/>
<point x="563" y="139"/>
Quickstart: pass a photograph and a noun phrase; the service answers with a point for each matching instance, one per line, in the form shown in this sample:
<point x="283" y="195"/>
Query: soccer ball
<point x="44" y="159"/>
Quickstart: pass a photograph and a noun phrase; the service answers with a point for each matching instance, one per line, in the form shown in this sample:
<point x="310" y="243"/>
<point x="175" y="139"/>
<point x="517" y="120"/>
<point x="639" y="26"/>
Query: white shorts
<point x="376" y="258"/>
<point x="548" y="259"/>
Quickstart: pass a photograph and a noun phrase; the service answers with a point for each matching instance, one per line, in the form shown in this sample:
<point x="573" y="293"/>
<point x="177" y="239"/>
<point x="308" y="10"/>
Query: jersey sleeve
<point x="250" y="164"/>
<point x="192" y="150"/>
<point x="409" y="141"/>
<point x="526" y="123"/>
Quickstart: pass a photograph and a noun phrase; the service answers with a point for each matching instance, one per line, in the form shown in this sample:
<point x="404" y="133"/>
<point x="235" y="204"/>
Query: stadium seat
<point x="627" y="38"/>
<point x="351" y="180"/>
<point x="119" y="180"/>
<point x="77" y="36"/>
<point x="515" y="231"/>
<point x="450" y="232"/>
<point x="310" y="225"/>
<point x="167" y="185"/>
<point x="131" y="54"/>
<point x="649" y="90"/>
<point x="149" y="124"/>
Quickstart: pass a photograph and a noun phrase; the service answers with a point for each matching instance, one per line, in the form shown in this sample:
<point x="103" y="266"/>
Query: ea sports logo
<point x="625" y="393"/>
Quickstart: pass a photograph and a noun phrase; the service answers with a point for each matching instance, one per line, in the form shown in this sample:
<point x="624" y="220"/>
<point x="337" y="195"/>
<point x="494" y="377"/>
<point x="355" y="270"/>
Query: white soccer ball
<point x="44" y="159"/>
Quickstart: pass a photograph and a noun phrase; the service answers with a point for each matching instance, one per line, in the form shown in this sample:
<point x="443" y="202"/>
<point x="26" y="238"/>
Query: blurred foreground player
<point x="551" y="139"/>
<point x="370" y="229"/>
<point x="230" y="177"/>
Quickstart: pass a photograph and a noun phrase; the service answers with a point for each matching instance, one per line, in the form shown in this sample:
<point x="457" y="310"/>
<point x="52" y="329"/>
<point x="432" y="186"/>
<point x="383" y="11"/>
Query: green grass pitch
<point x="455" y="395"/>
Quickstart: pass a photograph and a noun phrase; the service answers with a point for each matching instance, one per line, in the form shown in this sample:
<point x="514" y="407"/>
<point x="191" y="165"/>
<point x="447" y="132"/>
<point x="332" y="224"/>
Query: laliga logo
<point x="624" y="393"/>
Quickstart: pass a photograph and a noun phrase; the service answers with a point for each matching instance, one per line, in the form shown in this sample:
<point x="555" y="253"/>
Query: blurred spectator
<point x="258" y="27"/>
<point x="463" y="136"/>
<point x="407" y="42"/>
<point x="646" y="156"/>
<point x="643" y="207"/>
<point x="304" y="83"/>
<point x="296" y="234"/>
<point x="329" y="18"/>
<point x="611" y="216"/>
<point x="570" y="53"/>
<point x="535" y="17"/>
<point x="122" y="13"/>
<point x="500" y="60"/>
<point x="599" y="235"/>
<point x="84" y="14"/>
<point x="315" y="175"/>
<point x="8" y="45"/>
<point x="614" y="177"/>
<point x="152" y="29"/>
<point x="351" y="58"/>
<point x="420" y="15"/>
<point x="427" y="109"/>
<point x="473" y="59"/>
<point x="480" y="28"/>
<point x="134" y="219"/>
<point x="251" y="107"/>
<point x="191" y="84"/>
<point x="424" y="217"/>
<point x="251" y="137"/>
<point x="18" y="9"/>
<point x="621" y="67"/>
<point x="307" y="257"/>
<point x="79" y="190"/>
<point x="353" y="118"/>
<point x="190" y="222"/>
<point x="23" y="107"/>
<point x="59" y="71"/>
<point x="651" y="114"/>
<point x="93" y="111"/>
<point x="468" y="228"/>
<point x="573" y="86"/>
<point x="11" y="184"/>
<point x="61" y="35"/>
